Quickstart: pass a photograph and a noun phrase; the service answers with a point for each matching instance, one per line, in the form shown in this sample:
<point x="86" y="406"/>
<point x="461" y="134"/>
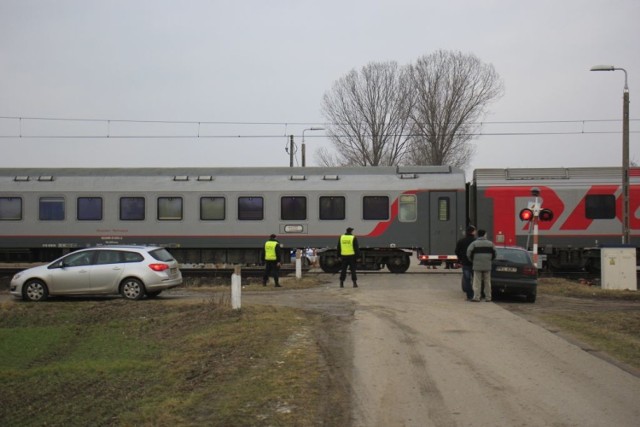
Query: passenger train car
<point x="585" y="202"/>
<point x="223" y="216"/>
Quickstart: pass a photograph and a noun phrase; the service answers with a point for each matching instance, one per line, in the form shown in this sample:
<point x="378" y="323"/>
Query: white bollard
<point x="298" y="264"/>
<point x="236" y="288"/>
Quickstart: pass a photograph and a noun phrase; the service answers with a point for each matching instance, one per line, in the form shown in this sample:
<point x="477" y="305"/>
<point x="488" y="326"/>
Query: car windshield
<point x="161" y="255"/>
<point x="513" y="255"/>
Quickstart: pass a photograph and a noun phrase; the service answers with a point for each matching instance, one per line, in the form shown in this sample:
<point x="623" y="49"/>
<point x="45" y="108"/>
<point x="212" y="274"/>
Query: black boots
<point x="355" y="284"/>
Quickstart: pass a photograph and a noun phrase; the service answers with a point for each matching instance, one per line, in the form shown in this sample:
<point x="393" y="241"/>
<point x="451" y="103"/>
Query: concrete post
<point x="236" y="288"/>
<point x="298" y="264"/>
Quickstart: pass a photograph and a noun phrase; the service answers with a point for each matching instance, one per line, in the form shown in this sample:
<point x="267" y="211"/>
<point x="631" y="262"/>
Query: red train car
<point x="586" y="204"/>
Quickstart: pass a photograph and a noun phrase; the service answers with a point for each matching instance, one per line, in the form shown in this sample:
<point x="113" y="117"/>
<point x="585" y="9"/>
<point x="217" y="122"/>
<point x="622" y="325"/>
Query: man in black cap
<point x="348" y="252"/>
<point x="467" y="265"/>
<point x="271" y="260"/>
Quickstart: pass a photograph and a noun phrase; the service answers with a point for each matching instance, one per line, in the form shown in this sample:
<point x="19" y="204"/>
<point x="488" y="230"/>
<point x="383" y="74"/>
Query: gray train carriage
<point x="223" y="216"/>
<point x="585" y="203"/>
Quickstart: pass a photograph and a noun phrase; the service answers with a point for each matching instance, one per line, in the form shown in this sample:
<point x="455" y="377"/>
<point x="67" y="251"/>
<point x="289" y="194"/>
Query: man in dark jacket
<point x="271" y="260"/>
<point x="467" y="265"/>
<point x="348" y="252"/>
<point x="481" y="252"/>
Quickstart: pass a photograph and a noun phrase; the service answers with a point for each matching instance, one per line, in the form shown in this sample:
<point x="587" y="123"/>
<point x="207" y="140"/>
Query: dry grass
<point x="563" y="287"/>
<point x="81" y="362"/>
<point x="606" y="320"/>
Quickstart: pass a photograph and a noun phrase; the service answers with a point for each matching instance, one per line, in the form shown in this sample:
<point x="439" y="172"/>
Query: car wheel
<point x="531" y="298"/>
<point x="153" y="294"/>
<point x="132" y="289"/>
<point x="35" y="290"/>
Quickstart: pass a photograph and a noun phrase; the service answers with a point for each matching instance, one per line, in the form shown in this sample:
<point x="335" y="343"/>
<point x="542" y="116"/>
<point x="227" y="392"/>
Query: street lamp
<point x="625" y="150"/>
<point x="303" y="148"/>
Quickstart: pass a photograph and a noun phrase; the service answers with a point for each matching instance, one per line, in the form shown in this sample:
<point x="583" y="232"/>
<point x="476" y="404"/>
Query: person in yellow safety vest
<point x="348" y="252"/>
<point x="271" y="260"/>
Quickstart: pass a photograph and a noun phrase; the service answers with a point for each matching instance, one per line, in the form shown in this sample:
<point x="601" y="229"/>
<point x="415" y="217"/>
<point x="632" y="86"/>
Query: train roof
<point x="236" y="179"/>
<point x="229" y="171"/>
<point x="516" y="176"/>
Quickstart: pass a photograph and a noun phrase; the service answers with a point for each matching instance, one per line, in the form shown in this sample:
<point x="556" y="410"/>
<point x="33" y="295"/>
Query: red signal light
<point x="545" y="215"/>
<point x="526" y="214"/>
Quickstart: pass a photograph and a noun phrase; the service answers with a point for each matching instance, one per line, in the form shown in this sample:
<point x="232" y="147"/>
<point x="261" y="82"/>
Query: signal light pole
<point x="625" y="150"/>
<point x="532" y="214"/>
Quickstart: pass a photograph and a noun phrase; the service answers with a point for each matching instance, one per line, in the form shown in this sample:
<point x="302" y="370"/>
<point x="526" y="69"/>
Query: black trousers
<point x="271" y="269"/>
<point x="348" y="262"/>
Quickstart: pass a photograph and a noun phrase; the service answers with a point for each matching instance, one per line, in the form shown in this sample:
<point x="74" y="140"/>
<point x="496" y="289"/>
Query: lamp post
<point x="625" y="150"/>
<point x="303" y="148"/>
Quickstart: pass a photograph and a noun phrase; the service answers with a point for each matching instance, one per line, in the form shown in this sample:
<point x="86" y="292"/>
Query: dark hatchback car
<point x="513" y="273"/>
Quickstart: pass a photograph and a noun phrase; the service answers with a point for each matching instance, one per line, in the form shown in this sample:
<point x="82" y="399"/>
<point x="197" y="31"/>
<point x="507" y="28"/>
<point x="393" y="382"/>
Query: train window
<point x="375" y="207"/>
<point x="250" y="208"/>
<point x="89" y="208"/>
<point x="443" y="209"/>
<point x="600" y="206"/>
<point x="293" y="208"/>
<point x="332" y="208"/>
<point x="212" y="208"/>
<point x="51" y="209"/>
<point x="408" y="211"/>
<point x="132" y="208"/>
<point x="10" y="208"/>
<point x="169" y="208"/>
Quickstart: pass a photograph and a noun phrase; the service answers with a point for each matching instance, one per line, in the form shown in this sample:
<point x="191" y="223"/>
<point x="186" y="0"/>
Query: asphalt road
<point x="423" y="356"/>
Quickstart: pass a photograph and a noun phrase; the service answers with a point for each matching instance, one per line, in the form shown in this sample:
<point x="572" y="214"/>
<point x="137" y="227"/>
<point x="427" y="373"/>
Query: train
<point x="222" y="216"/>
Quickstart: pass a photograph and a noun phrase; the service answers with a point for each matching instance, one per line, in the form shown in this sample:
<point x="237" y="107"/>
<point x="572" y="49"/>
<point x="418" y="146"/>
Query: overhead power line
<point x="199" y="133"/>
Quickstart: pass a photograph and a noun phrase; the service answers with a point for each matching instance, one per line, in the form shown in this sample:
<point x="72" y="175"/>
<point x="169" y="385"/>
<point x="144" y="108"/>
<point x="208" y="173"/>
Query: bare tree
<point x="368" y="113"/>
<point x="452" y="92"/>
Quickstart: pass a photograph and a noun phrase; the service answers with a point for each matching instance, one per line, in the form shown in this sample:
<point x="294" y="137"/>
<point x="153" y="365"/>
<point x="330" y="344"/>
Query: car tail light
<point x="529" y="271"/>
<point x="158" y="267"/>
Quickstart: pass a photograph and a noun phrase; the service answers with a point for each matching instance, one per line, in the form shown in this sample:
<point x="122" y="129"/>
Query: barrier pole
<point x="298" y="264"/>
<point x="236" y="288"/>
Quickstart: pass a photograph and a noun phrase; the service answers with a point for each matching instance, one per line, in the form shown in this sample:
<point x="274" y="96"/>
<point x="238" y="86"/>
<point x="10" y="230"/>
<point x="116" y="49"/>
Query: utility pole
<point x="290" y="151"/>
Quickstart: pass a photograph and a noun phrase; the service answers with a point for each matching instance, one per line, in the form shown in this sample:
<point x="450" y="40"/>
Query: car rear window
<point x="515" y="256"/>
<point x="161" y="255"/>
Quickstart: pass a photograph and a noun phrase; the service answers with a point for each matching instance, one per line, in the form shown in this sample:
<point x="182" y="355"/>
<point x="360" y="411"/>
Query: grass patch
<point x="616" y="333"/>
<point x="563" y="287"/>
<point x="116" y="362"/>
<point x="613" y="326"/>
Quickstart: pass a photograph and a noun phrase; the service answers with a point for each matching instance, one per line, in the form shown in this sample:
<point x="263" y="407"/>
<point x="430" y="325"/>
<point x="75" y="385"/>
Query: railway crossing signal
<point x="527" y="214"/>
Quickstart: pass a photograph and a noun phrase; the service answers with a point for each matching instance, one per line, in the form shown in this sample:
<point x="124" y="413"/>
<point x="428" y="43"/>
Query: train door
<point x="443" y="222"/>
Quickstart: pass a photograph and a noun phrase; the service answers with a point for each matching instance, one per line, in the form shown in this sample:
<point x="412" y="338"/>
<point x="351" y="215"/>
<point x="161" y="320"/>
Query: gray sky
<point x="270" y="62"/>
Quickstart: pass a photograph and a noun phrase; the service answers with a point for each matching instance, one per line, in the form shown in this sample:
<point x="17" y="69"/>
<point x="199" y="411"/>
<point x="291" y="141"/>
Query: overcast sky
<point x="264" y="66"/>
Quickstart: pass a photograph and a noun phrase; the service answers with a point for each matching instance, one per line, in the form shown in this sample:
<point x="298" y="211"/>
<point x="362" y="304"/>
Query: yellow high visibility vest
<point x="346" y="245"/>
<point x="270" y="250"/>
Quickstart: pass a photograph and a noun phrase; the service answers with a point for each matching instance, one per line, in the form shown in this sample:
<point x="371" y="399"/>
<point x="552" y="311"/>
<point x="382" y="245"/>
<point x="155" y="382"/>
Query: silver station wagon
<point x="131" y="271"/>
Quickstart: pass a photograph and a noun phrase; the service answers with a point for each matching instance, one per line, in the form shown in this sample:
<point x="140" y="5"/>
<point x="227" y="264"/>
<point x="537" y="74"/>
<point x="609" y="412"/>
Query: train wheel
<point x="398" y="264"/>
<point x="329" y="264"/>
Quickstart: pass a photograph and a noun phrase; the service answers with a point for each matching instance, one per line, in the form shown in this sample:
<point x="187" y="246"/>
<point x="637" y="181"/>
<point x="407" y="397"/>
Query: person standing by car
<point x="467" y="265"/>
<point x="348" y="252"/>
<point x="481" y="252"/>
<point x="271" y="260"/>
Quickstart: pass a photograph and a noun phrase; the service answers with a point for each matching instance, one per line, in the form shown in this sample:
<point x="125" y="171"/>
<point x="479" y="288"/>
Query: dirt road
<point x="423" y="356"/>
